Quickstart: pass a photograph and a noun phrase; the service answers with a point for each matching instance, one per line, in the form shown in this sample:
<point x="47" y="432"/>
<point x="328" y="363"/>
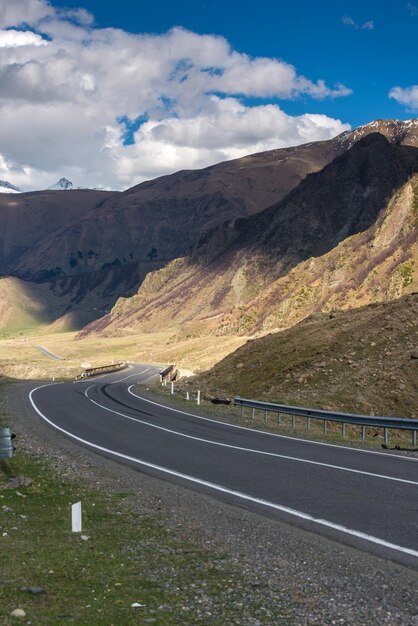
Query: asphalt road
<point x="365" y="499"/>
<point x="48" y="353"/>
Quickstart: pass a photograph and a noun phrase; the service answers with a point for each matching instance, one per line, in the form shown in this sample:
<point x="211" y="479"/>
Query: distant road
<point x="361" y="498"/>
<point x="48" y="353"/>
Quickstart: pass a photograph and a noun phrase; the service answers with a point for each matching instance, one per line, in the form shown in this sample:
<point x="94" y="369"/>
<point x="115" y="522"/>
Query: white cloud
<point x="64" y="87"/>
<point x="408" y="96"/>
<point x="412" y="8"/>
<point x="16" y="38"/>
<point x="348" y="21"/>
<point x="18" y="12"/>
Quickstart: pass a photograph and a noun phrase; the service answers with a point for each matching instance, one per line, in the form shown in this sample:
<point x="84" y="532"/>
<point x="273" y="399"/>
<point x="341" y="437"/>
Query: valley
<point x="271" y="248"/>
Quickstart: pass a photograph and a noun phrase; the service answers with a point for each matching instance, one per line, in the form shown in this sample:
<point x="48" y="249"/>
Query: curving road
<point x="361" y="498"/>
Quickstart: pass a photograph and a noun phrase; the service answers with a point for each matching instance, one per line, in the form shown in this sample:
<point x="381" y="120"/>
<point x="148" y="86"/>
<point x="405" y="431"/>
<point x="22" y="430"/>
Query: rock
<point x="24" y="481"/>
<point x="414" y="354"/>
<point x="239" y="365"/>
<point x="36" y="591"/>
<point x="18" y="613"/>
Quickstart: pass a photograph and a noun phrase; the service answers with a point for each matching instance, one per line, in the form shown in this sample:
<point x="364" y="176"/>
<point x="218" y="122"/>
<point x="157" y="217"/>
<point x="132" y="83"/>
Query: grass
<point x="232" y="414"/>
<point x="132" y="555"/>
<point x="20" y="358"/>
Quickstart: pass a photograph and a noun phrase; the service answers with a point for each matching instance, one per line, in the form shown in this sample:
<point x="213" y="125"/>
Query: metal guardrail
<point x="102" y="369"/>
<point x="169" y="373"/>
<point x="386" y="423"/>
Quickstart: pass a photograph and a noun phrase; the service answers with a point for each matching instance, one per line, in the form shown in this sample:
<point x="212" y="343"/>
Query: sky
<point x="112" y="93"/>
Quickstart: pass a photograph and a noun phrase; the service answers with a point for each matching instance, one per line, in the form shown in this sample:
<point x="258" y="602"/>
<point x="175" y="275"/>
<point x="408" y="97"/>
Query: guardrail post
<point x="343" y="429"/>
<point x="414" y="438"/>
<point x="294" y="422"/>
<point x="363" y="433"/>
<point x="385" y="435"/>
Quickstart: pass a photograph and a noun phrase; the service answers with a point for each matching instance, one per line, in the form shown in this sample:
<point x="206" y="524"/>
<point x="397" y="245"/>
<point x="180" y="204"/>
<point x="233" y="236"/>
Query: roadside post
<point x="6" y="446"/>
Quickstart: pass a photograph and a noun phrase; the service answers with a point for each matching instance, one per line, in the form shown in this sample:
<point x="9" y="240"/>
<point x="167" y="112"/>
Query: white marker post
<point x="172" y="388"/>
<point x="76" y="517"/>
<point x="187" y="395"/>
<point x="198" y="397"/>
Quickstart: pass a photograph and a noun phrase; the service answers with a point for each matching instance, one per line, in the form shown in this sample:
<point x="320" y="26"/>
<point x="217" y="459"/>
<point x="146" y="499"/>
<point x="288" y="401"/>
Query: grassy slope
<point x="26" y="307"/>
<point x="357" y="360"/>
<point x="19" y="357"/>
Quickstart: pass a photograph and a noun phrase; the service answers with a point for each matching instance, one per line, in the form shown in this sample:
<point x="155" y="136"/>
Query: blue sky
<point x="310" y="35"/>
<point x="114" y="93"/>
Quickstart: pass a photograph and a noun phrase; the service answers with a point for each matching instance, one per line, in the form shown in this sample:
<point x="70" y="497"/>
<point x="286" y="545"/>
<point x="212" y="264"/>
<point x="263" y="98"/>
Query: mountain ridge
<point x="93" y="247"/>
<point x="221" y="288"/>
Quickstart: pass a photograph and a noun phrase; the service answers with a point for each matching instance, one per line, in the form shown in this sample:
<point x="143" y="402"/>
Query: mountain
<point x="345" y="236"/>
<point x="92" y="247"/>
<point x="6" y="187"/>
<point x="102" y="245"/>
<point x="63" y="184"/>
<point x="363" y="360"/>
<point x="396" y="131"/>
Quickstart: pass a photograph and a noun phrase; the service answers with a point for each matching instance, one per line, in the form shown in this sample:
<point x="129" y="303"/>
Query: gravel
<point x="317" y="581"/>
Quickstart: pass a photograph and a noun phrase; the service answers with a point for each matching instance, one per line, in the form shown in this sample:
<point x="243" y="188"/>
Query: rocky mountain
<point x="6" y="187"/>
<point x="343" y="237"/>
<point x="92" y="247"/>
<point x="63" y="184"/>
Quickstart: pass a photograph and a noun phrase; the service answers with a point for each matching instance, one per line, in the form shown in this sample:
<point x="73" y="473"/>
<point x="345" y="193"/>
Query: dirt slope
<point x="364" y="360"/>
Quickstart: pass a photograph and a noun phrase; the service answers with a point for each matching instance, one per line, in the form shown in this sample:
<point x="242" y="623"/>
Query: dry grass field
<point x="21" y="358"/>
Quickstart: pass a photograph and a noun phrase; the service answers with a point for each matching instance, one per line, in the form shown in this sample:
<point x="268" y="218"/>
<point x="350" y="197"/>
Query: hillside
<point x="92" y="247"/>
<point x="346" y="236"/>
<point x="26" y="307"/>
<point x="364" y="361"/>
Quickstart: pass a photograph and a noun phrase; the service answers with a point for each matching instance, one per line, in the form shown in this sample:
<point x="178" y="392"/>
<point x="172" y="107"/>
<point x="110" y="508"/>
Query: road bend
<point x="366" y="499"/>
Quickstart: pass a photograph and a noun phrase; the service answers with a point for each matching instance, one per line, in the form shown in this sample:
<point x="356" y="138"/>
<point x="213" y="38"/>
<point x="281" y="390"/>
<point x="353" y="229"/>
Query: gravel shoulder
<point x="315" y="580"/>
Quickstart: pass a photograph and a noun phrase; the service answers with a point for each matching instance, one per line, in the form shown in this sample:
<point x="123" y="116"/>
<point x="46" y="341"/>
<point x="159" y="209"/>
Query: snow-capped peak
<point x="66" y="185"/>
<point x="395" y="131"/>
<point x="62" y="184"/>
<point x="6" y="187"/>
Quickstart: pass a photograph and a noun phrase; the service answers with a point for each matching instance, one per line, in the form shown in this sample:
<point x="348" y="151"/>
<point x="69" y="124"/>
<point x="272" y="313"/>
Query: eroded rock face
<point x="344" y="237"/>
<point x="91" y="247"/>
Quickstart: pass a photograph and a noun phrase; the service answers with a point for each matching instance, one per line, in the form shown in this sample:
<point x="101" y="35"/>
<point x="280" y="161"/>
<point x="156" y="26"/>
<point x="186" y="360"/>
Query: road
<point x="48" y="353"/>
<point x="362" y="498"/>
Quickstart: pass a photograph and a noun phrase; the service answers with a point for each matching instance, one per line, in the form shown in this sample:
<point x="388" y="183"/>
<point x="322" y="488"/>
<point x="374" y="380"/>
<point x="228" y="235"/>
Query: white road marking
<point x="242" y="449"/>
<point x="130" y="376"/>
<point x="89" y="379"/>
<point x="263" y="432"/>
<point x="237" y="494"/>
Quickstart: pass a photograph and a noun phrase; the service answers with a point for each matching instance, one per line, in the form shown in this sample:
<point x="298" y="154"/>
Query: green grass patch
<point x="127" y="558"/>
<point x="132" y="555"/>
